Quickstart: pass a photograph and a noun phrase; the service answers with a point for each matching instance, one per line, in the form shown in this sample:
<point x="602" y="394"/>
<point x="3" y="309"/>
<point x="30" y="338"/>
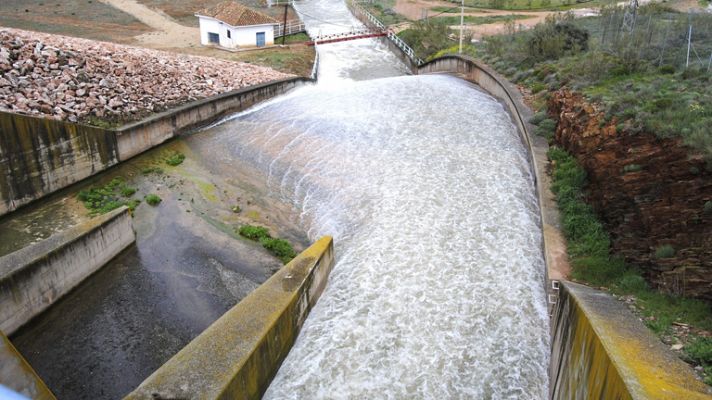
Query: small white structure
<point x="232" y="25"/>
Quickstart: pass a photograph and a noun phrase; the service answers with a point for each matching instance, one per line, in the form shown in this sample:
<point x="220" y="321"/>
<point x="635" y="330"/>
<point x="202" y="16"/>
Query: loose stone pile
<point x="77" y="79"/>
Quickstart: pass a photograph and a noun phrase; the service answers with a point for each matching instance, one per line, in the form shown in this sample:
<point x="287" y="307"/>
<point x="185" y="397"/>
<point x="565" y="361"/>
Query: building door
<point x="213" y="38"/>
<point x="260" y="39"/>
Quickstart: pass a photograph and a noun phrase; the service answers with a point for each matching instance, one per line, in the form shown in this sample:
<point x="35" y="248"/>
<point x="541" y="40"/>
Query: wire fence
<point x="677" y="40"/>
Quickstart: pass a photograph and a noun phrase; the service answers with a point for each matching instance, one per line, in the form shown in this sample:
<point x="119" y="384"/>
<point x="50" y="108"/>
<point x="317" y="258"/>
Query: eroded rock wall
<point x="648" y="191"/>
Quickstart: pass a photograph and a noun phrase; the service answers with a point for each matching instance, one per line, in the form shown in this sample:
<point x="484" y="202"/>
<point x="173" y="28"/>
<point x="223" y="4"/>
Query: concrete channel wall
<point x="17" y="375"/>
<point x="239" y="354"/>
<point x="34" y="277"/>
<point x="39" y="156"/>
<point x="601" y="351"/>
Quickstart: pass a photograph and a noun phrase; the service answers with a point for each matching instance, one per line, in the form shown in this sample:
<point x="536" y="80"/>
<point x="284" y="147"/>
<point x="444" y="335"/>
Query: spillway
<point x="424" y="184"/>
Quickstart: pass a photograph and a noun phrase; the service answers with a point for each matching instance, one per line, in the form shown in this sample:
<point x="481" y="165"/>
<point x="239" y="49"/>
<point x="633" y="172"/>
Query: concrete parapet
<point x="39" y="156"/>
<point x="16" y="373"/>
<point x="601" y="351"/>
<point x="239" y="354"/>
<point x="34" y="277"/>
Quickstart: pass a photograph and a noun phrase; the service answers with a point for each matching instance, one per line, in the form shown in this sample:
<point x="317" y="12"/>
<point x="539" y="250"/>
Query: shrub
<point x="538" y="117"/>
<point x="546" y="128"/>
<point x="254" y="232"/>
<point x="279" y="247"/>
<point x="665" y="251"/>
<point x="153" y="199"/>
<point x="102" y="199"/>
<point x="708" y="207"/>
<point x="175" y="159"/>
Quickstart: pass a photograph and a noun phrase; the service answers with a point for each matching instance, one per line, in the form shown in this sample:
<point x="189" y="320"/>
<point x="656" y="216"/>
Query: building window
<point x="213" y="37"/>
<point x="228" y="34"/>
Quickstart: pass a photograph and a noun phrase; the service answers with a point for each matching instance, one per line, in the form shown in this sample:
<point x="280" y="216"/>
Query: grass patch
<point x="175" y="159"/>
<point x="300" y="37"/>
<point x="699" y="351"/>
<point x="153" y="199"/>
<point x="589" y="252"/>
<point x="524" y="4"/>
<point x="280" y="248"/>
<point x="472" y="20"/>
<point x="102" y="199"/>
<point x="151" y="170"/>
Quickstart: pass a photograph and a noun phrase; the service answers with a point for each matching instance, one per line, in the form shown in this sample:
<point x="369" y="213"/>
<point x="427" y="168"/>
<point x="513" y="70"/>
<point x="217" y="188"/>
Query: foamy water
<point x="438" y="290"/>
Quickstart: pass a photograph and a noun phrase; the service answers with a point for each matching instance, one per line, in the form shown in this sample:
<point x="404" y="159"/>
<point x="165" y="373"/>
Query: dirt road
<point x="168" y="33"/>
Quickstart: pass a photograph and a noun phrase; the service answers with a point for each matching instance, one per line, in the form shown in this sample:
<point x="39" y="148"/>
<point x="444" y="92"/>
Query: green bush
<point x="175" y="159"/>
<point x="664" y="251"/>
<point x="538" y="117"/>
<point x="279" y="247"/>
<point x="254" y="232"/>
<point x="152" y="199"/>
<point x="546" y="128"/>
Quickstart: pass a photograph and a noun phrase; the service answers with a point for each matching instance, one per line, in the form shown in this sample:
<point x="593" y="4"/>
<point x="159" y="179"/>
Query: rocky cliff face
<point x="649" y="193"/>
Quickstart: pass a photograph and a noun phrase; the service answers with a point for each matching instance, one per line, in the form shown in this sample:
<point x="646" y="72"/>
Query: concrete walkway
<point x="168" y="34"/>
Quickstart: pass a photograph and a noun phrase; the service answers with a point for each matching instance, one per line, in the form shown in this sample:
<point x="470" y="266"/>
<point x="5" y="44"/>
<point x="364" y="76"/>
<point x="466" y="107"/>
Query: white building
<point x="232" y="25"/>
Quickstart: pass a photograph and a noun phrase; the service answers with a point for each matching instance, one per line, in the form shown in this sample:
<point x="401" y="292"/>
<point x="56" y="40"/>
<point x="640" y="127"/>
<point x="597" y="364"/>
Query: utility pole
<point x="689" y="42"/>
<point x="284" y="28"/>
<point x="462" y="23"/>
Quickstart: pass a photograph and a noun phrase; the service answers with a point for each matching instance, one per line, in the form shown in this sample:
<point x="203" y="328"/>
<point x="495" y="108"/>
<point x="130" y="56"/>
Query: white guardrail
<point x="391" y="35"/>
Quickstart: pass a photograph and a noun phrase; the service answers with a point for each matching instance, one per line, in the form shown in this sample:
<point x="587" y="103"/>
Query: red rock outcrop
<point x="73" y="79"/>
<point x="648" y="191"/>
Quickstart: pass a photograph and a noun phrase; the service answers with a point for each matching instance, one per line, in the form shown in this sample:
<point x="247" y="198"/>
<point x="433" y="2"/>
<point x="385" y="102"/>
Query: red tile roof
<point x="236" y="14"/>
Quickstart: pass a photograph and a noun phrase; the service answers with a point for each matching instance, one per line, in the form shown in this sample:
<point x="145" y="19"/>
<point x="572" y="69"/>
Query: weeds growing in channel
<point x="175" y="159"/>
<point x="278" y="247"/>
<point x="102" y="199"/>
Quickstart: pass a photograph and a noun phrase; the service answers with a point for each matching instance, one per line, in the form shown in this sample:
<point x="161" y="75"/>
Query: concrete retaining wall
<point x="601" y="351"/>
<point x="239" y="354"/>
<point x="33" y="278"/>
<point x="16" y="373"/>
<point x="39" y="156"/>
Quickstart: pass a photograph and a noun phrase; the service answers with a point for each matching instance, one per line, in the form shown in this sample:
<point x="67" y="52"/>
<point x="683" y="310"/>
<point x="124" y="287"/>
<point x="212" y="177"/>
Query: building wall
<point x="243" y="36"/>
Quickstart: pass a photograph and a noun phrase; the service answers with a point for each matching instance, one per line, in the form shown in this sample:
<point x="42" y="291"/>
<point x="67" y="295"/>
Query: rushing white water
<point x="437" y="292"/>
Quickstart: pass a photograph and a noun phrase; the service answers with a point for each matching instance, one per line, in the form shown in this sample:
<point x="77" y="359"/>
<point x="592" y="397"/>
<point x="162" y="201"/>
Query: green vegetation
<point x="640" y="79"/>
<point x="708" y="207"/>
<point x="151" y="170"/>
<point x="523" y="4"/>
<point x="470" y="20"/>
<point x="699" y="351"/>
<point x="427" y="38"/>
<point x="452" y="10"/>
<point x="300" y="37"/>
<point x="665" y="251"/>
<point x="632" y="168"/>
<point x="589" y="252"/>
<point x="175" y="159"/>
<point x="278" y="247"/>
<point x="254" y="232"/>
<point x="102" y="199"/>
<point x="153" y="199"/>
<point x="383" y="10"/>
<point x="546" y="128"/>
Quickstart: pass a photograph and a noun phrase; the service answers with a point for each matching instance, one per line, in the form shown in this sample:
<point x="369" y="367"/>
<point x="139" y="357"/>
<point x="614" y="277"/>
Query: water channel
<point x="423" y="182"/>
